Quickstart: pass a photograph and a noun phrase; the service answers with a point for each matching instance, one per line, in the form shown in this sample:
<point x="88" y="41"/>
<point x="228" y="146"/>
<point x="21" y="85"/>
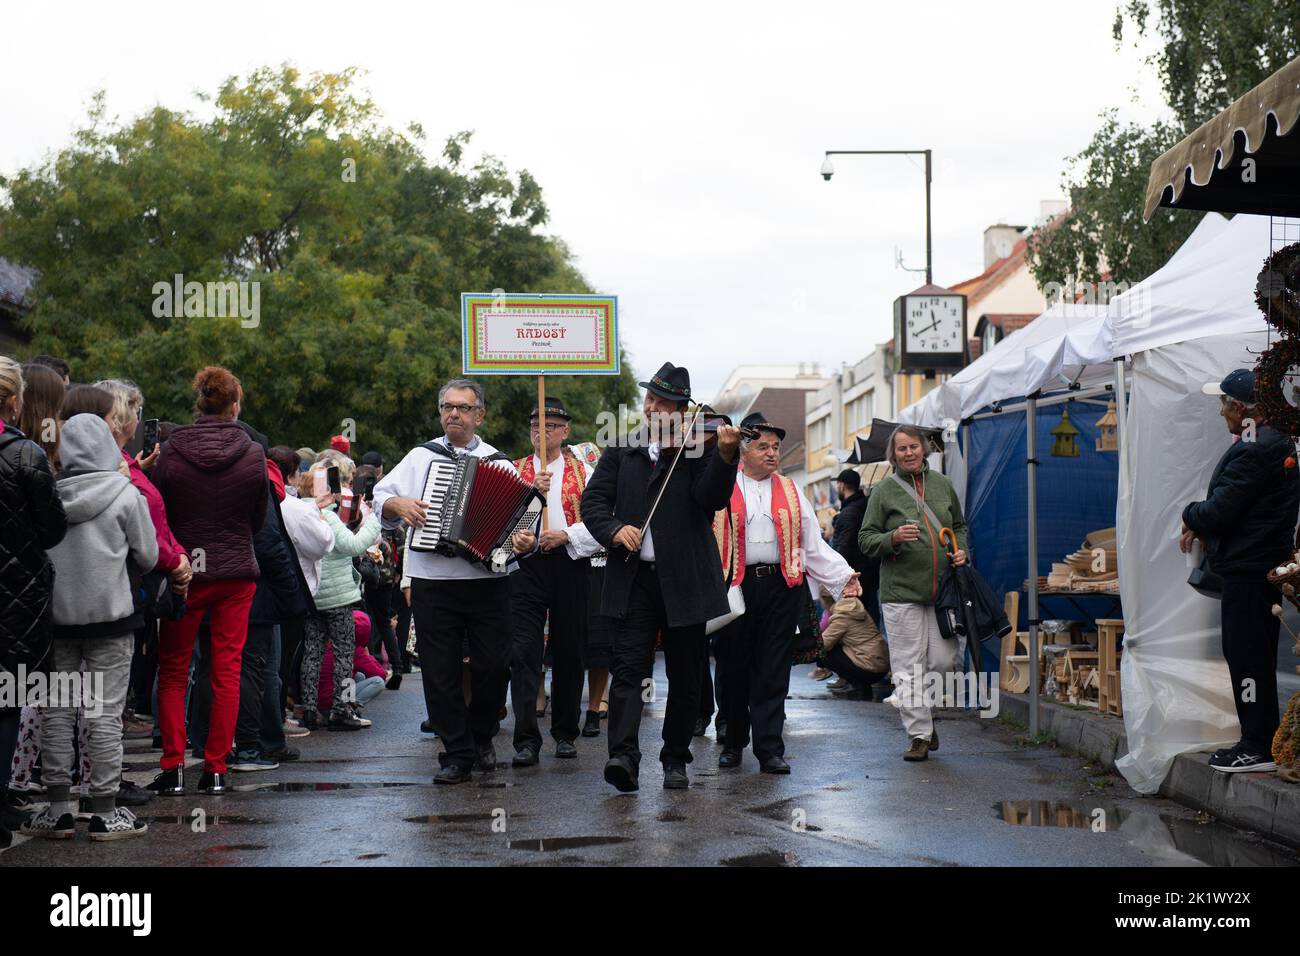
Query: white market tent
<point x="1187" y="324"/>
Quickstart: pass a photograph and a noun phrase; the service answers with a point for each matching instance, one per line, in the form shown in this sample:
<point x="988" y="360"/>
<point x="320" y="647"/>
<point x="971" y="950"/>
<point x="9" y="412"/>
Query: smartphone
<point x="319" y="484"/>
<point x="367" y="488"/>
<point x="332" y="479"/>
<point x="150" y="436"/>
<point x="349" y="507"/>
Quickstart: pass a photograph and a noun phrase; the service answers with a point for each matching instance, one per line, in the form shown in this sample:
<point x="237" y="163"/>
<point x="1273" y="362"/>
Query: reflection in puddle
<point x="549" y="844"/>
<point x="459" y="818"/>
<point x="371" y="856"/>
<point x="670" y="818"/>
<point x="767" y="858"/>
<point x="209" y="819"/>
<point x="233" y="847"/>
<point x="1168" y="837"/>
<point x="313" y="787"/>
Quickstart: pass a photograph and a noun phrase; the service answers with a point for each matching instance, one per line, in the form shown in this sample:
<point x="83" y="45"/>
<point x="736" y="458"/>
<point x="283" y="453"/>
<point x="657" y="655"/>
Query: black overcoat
<point x="686" y="555"/>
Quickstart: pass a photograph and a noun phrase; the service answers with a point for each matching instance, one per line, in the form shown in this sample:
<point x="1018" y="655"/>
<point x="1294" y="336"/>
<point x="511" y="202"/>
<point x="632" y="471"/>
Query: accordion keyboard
<point x="442" y="473"/>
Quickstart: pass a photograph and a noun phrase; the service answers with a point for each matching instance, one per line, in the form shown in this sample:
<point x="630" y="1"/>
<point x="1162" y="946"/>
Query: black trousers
<point x="632" y="673"/>
<point x="144" y="666"/>
<point x="291" y="662"/>
<point x="548" y="581"/>
<point x="1250" y="636"/>
<point x="840" y="662"/>
<point x="379" y="605"/>
<point x="403" y="628"/>
<point x="448" y="613"/>
<point x="252" y="681"/>
<point x="757" y="661"/>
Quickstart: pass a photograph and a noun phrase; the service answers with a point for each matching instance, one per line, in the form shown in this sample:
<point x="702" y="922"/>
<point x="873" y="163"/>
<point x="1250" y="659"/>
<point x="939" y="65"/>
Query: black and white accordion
<point x="475" y="506"/>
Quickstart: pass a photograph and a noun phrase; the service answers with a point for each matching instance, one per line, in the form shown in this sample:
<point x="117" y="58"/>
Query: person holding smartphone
<point x="332" y="622"/>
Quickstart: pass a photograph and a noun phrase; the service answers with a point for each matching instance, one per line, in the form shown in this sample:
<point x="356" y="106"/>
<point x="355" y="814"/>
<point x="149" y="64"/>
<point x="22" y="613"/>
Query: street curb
<point x="1258" y="802"/>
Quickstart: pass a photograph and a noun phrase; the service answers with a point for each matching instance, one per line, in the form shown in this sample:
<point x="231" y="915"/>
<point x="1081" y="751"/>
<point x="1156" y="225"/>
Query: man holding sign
<point x="662" y="575"/>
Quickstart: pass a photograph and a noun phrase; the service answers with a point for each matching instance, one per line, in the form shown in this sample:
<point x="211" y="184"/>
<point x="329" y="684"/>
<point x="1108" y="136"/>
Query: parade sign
<point x="506" y="333"/>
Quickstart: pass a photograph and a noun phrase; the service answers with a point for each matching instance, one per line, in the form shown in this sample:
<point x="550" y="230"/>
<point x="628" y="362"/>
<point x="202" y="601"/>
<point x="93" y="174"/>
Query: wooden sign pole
<point x="541" y="432"/>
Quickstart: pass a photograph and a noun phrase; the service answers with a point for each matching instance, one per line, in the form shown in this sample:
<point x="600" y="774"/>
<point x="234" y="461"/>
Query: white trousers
<point x="917" y="651"/>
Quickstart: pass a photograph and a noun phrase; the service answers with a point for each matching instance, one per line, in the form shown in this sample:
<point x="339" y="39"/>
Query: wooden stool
<point x="1110" y="640"/>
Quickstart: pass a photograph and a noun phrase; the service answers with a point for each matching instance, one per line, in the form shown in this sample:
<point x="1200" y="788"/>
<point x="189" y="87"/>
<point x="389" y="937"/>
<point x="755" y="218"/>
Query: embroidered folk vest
<point x="575" y="479"/>
<point x="729" y="524"/>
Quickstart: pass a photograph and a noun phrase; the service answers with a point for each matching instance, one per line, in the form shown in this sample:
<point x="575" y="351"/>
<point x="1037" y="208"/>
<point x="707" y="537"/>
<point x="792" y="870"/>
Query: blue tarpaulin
<point x="1075" y="496"/>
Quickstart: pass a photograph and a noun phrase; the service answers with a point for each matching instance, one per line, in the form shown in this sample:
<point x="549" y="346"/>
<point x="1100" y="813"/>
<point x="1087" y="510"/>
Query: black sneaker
<point x="121" y="824"/>
<point x="284" y="754"/>
<point x="348" y="721"/>
<point x="129" y="795"/>
<point x="169" y="783"/>
<point x="50" y="827"/>
<point x="212" y="783"/>
<point x="1241" y="760"/>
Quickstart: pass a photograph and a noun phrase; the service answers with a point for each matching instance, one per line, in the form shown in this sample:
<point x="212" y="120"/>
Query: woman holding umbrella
<point x="902" y="526"/>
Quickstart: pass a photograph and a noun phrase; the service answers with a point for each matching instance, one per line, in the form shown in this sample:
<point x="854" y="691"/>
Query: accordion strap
<point x="439" y="449"/>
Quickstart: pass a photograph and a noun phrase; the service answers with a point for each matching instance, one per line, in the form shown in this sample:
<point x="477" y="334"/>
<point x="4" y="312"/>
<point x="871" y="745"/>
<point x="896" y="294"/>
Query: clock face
<point x="935" y="324"/>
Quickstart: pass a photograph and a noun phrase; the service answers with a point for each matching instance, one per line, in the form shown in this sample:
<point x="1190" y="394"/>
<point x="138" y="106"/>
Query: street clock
<point x="930" y="330"/>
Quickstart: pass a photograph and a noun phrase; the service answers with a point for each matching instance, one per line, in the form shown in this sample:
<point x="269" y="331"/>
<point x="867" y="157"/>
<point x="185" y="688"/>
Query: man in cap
<point x="1247" y="523"/>
<point x="778" y="551"/>
<point x="552" y="579"/>
<point x="664" y="579"/>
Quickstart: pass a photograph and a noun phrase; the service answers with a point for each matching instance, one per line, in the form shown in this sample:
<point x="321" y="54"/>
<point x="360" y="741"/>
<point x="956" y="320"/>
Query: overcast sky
<point x="678" y="144"/>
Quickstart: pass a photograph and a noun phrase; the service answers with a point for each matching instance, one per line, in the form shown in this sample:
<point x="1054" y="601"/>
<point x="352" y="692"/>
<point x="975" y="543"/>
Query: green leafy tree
<point x="1210" y="53"/>
<point x="359" y="247"/>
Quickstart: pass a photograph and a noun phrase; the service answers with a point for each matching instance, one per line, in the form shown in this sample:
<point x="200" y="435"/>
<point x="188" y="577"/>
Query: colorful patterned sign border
<point x="477" y="307"/>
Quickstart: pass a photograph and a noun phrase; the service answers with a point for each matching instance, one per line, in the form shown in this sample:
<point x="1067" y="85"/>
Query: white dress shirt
<point x="648" y="542"/>
<point x="823" y="566"/>
<point x="407" y="481"/>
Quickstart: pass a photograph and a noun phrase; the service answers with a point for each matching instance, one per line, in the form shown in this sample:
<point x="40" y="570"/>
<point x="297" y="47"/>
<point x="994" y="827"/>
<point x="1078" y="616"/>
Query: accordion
<point x="475" y="506"/>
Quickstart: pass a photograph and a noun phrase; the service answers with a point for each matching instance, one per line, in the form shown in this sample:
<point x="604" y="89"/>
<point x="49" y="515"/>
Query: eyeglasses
<point x="449" y="407"/>
<point x="551" y="426"/>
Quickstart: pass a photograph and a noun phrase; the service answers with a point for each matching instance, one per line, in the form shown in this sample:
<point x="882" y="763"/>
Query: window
<point x="819" y="433"/>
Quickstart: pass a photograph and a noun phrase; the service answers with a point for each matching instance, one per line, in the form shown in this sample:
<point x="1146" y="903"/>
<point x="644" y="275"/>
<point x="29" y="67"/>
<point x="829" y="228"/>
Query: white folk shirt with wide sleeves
<point x="823" y="566"/>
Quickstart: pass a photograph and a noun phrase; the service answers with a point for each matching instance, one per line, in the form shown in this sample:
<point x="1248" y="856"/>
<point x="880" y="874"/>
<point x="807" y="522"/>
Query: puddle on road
<point x="234" y="847"/>
<point x="671" y="818"/>
<point x="549" y="844"/>
<point x="371" y="856"/>
<point x="459" y="818"/>
<point x="313" y="787"/>
<point x="766" y="858"/>
<point x="1166" y="836"/>
<point x="210" y="819"/>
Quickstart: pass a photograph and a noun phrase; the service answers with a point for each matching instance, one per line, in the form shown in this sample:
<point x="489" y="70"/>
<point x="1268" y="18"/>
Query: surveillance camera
<point x="828" y="169"/>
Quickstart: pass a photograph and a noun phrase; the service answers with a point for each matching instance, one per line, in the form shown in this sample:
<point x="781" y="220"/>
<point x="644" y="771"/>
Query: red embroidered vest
<point x="575" y="479"/>
<point x="729" y="524"/>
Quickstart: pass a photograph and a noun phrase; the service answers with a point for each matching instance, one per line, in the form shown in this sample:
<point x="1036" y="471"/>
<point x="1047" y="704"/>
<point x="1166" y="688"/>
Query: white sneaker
<point x="46" y="825"/>
<point x="121" y="824"/>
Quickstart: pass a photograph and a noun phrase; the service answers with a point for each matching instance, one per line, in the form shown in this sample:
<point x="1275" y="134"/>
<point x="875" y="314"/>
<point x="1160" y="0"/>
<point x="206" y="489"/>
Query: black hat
<point x="554" y="409"/>
<point x="850" y="477"/>
<point x="759" y="422"/>
<point x="373" y="458"/>
<point x="670" y="382"/>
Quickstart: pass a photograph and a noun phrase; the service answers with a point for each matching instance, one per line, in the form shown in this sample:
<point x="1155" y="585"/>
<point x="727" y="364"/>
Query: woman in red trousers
<point x="212" y="478"/>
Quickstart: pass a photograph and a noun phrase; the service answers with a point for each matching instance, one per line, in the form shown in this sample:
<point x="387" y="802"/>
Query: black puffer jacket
<point x="1248" y="517"/>
<point x="844" y="539"/>
<point x="31" y="520"/>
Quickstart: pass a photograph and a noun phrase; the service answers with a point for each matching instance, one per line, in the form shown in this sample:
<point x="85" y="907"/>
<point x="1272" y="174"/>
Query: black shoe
<point x="620" y="772"/>
<point x="700" y="724"/>
<point x="525" y="756"/>
<point x="284" y="754"/>
<point x="592" y="727"/>
<point x="729" y="758"/>
<point x="720" y="731"/>
<point x="1241" y="760"/>
<point x="427" y="728"/>
<point x="348" y="721"/>
<point x="406" y="667"/>
<point x="309" y="719"/>
<point x="395" y="681"/>
<point x="169" y="783"/>
<point x="156" y="744"/>
<point x="675" y="776"/>
<point x="565" y="749"/>
<point x="129" y="795"/>
<point x="452" y="773"/>
<point x="773" y="765"/>
<point x="486" y="761"/>
<point x="212" y="783"/>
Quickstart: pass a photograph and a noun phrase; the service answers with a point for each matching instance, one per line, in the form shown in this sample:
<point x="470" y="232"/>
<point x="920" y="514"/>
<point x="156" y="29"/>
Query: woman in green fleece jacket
<point x="339" y="590"/>
<point x="897" y="530"/>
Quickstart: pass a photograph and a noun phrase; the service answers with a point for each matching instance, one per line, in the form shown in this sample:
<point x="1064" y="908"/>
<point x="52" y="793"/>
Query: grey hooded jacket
<point x="108" y="524"/>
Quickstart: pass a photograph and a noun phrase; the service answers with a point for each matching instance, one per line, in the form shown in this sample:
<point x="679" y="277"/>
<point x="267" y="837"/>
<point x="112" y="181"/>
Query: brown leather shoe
<point x="934" y="740"/>
<point x="919" y="750"/>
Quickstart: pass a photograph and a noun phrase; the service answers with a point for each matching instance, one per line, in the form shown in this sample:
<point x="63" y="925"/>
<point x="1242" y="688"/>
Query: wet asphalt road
<point x="367" y="798"/>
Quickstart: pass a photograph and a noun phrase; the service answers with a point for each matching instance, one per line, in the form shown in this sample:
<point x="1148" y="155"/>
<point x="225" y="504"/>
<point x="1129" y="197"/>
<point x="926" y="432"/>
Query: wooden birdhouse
<point x="1108" y="424"/>
<point x="1066" y="438"/>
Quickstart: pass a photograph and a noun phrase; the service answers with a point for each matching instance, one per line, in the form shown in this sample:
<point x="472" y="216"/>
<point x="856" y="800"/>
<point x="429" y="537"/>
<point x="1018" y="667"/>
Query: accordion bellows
<point x="475" y="506"/>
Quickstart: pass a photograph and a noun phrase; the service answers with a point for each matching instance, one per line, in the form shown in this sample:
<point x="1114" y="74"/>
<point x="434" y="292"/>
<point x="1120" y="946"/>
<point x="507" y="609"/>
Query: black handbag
<point x="1204" y="581"/>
